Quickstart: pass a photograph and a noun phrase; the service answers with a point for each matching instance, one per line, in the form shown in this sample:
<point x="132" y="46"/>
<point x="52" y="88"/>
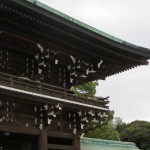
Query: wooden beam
<point x="21" y="130"/>
<point x="20" y="115"/>
<point x="60" y="135"/>
<point x="26" y="146"/>
<point x="60" y="147"/>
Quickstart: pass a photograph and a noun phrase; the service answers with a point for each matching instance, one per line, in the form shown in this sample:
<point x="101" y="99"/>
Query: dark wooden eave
<point x="69" y="25"/>
<point x="30" y="23"/>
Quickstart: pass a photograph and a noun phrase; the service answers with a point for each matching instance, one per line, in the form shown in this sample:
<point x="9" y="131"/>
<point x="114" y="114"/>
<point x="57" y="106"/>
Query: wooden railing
<point x="46" y="89"/>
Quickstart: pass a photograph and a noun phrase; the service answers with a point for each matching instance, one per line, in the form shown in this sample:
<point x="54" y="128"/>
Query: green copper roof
<point x="37" y="3"/>
<point x="99" y="144"/>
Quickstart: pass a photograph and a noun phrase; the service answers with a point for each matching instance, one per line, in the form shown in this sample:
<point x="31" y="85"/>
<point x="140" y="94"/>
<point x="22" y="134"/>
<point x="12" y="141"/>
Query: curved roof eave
<point x="89" y="30"/>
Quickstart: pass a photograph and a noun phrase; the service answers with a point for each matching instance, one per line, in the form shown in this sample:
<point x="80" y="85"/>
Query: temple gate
<point x="43" y="53"/>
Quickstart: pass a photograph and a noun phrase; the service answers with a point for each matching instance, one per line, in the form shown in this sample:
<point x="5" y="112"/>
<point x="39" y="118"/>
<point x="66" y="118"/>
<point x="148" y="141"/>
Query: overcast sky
<point x="129" y="20"/>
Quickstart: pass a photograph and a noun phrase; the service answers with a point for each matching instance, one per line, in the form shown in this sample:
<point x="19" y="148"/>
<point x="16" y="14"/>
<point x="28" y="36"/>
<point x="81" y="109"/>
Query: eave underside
<point x="22" y="27"/>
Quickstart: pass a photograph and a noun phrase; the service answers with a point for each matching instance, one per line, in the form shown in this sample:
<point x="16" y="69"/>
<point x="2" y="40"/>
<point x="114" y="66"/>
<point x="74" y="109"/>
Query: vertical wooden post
<point x="26" y="146"/>
<point x="43" y="142"/>
<point x="11" y="81"/>
<point x="77" y="142"/>
<point x="61" y="123"/>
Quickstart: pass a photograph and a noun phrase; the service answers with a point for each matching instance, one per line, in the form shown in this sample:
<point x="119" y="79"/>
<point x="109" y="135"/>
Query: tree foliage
<point x="139" y="133"/>
<point x="103" y="132"/>
<point x="88" y="88"/>
<point x="121" y="127"/>
<point x="118" y="124"/>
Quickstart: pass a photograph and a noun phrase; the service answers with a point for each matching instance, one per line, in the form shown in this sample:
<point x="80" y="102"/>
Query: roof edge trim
<point x="52" y="98"/>
<point x="108" y="142"/>
<point x="84" y="25"/>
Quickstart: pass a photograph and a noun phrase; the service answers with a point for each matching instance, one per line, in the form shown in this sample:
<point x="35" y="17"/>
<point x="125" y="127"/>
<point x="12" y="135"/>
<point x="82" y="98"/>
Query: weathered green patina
<point x="99" y="144"/>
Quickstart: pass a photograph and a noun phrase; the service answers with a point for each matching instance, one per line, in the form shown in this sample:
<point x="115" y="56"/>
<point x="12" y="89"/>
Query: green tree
<point x="104" y="131"/>
<point x="121" y="127"/>
<point x="88" y="88"/>
<point x="118" y="124"/>
<point x="139" y="133"/>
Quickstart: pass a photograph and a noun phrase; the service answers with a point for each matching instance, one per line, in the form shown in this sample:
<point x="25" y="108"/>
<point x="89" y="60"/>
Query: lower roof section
<point x="44" y="93"/>
<point x="49" y="98"/>
<point x="99" y="144"/>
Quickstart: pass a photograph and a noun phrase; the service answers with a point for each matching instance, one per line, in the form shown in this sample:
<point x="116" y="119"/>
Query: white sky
<point x="129" y="20"/>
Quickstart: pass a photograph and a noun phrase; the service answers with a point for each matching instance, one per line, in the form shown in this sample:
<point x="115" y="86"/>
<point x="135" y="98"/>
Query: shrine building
<point x="43" y="53"/>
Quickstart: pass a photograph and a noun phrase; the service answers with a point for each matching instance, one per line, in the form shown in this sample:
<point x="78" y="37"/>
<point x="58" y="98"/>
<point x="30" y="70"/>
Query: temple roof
<point x="81" y="25"/>
<point x="84" y="25"/>
<point x="100" y="144"/>
<point x="37" y="35"/>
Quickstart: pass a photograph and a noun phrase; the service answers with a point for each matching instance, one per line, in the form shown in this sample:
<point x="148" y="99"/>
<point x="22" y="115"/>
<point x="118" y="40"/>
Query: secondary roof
<point x="99" y="144"/>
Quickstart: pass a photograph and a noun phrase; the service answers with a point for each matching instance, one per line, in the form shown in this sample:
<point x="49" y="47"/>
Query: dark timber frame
<point x="43" y="53"/>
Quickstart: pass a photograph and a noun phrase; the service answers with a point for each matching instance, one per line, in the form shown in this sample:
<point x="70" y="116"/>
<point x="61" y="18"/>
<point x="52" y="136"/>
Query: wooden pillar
<point x="77" y="142"/>
<point x="43" y="142"/>
<point x="26" y="146"/>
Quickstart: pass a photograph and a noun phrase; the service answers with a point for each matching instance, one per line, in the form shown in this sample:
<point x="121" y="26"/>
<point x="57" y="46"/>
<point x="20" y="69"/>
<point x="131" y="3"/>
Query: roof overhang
<point x="31" y="22"/>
